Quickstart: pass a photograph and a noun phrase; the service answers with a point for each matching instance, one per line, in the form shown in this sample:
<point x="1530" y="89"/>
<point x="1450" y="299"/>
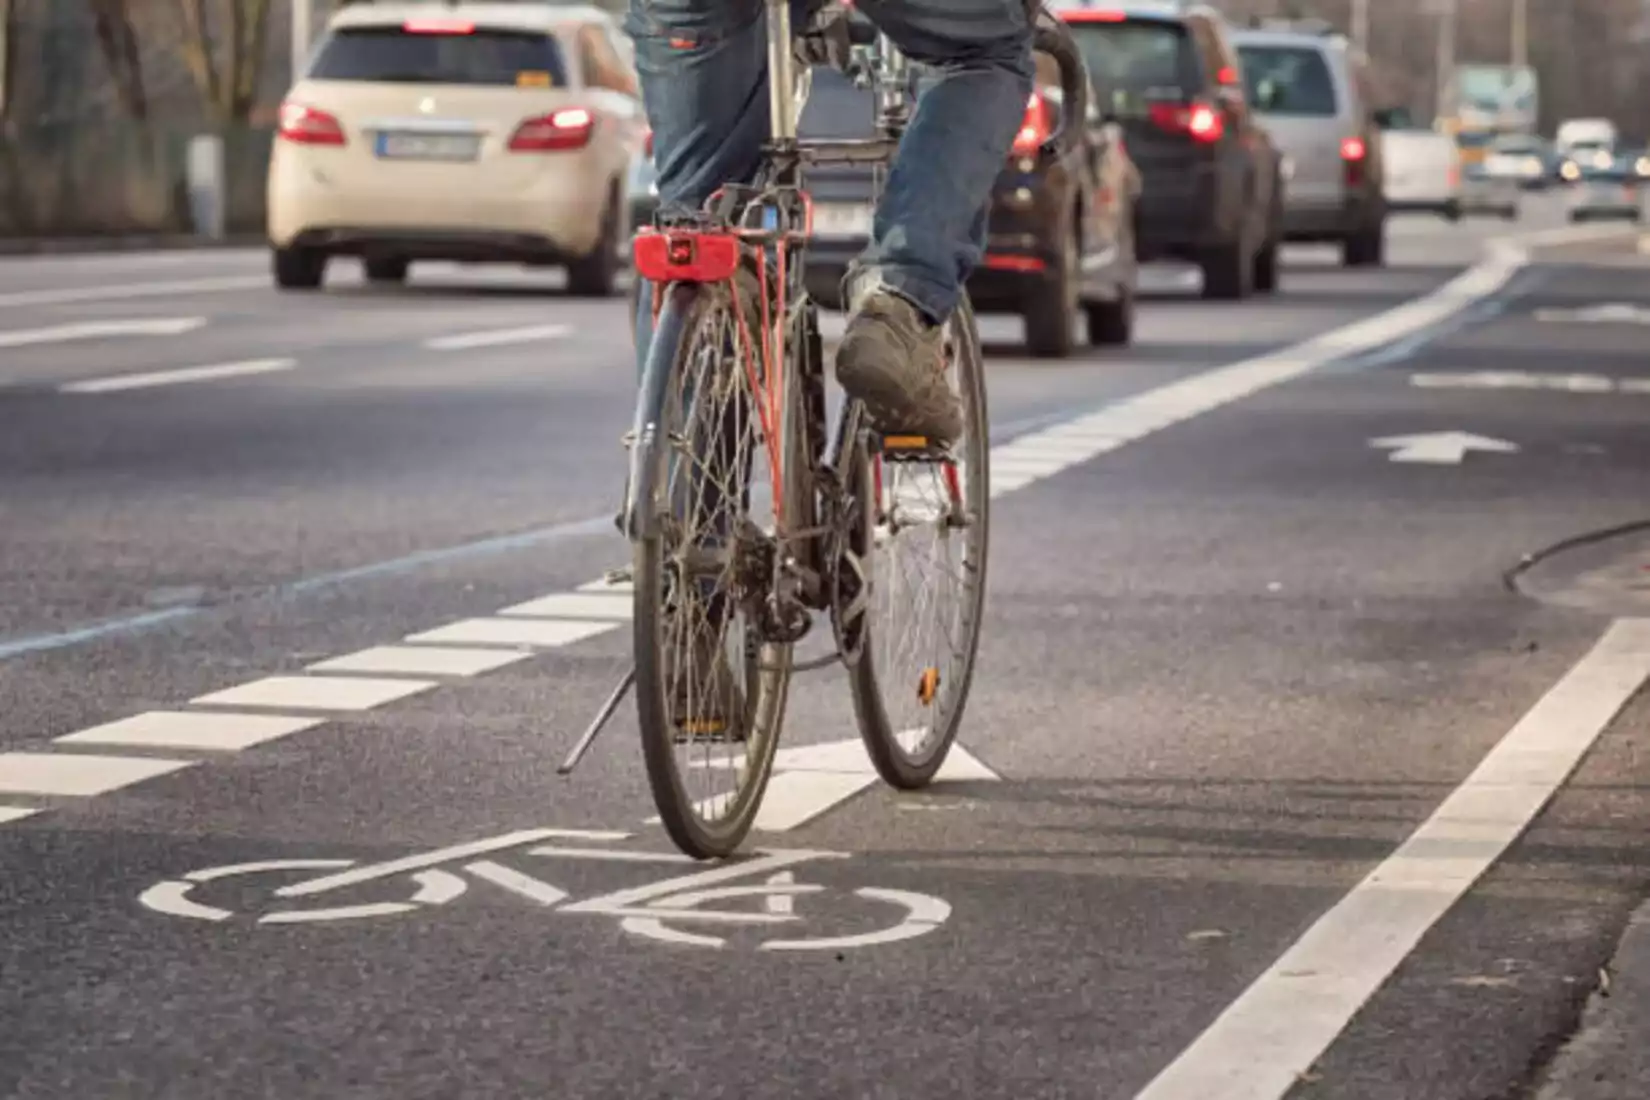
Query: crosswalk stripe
<point x="174" y="729"/>
<point x="316" y="692"/>
<point x="547" y="633"/>
<point x="78" y="775"/>
<point x="422" y="660"/>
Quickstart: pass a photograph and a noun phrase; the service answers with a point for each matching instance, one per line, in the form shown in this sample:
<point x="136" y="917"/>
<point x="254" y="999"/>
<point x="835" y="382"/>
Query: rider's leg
<point x="929" y="229"/>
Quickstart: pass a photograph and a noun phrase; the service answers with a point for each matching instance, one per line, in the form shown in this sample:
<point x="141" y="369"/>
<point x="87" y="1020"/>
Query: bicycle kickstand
<point x="603" y="716"/>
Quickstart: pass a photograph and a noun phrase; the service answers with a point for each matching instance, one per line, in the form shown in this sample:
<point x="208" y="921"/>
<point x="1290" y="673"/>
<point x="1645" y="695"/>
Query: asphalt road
<point x="1259" y="724"/>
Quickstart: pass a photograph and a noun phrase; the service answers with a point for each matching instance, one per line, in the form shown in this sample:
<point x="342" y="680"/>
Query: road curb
<point x="1607" y="1058"/>
<point x="136" y="242"/>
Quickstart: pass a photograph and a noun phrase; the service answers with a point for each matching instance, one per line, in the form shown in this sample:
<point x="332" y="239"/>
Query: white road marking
<point x="576" y="605"/>
<point x="1527" y="380"/>
<point x="1606" y="313"/>
<point x="540" y="633"/>
<point x="100" y="330"/>
<point x="497" y="337"/>
<point x="1440" y="448"/>
<point x="71" y="295"/>
<point x="316" y="692"/>
<point x="423" y="660"/>
<point x="15" y="813"/>
<point x="172" y="729"/>
<point x="605" y="585"/>
<point x="77" y="775"/>
<point x="1282" y="1023"/>
<point x="148" y="380"/>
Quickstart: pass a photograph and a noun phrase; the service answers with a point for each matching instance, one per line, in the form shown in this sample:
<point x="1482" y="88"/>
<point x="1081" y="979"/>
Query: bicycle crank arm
<point x="603" y="716"/>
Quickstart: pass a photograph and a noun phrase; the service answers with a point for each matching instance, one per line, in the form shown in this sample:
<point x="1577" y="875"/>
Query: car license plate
<point x="836" y="219"/>
<point x="412" y="146"/>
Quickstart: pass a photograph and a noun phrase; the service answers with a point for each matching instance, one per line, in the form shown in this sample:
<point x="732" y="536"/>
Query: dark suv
<point x="1211" y="191"/>
<point x="1060" y="237"/>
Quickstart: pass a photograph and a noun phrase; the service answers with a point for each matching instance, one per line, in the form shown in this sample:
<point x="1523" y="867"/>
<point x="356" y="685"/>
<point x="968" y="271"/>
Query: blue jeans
<point x="704" y="68"/>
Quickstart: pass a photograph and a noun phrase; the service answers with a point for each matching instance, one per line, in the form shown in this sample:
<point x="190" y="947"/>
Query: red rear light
<point x="309" y="126"/>
<point x="568" y="128"/>
<point x="1227" y="76"/>
<point x="1035" y="129"/>
<point x="1353" y="149"/>
<point x="1104" y="15"/>
<point x="687" y="255"/>
<point x="1199" y="121"/>
<point x="437" y="26"/>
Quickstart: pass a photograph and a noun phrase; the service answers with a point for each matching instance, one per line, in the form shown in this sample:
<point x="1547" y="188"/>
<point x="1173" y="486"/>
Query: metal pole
<point x="303" y="24"/>
<point x="1360" y="24"/>
<point x="1446" y="55"/>
<point x="1520" y="32"/>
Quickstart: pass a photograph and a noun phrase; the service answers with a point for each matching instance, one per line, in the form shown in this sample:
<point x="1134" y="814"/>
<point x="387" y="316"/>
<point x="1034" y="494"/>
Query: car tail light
<point x="1035" y="129"/>
<point x="568" y="128"/>
<point x="309" y="126"/>
<point x="437" y="26"/>
<point x="1228" y="76"/>
<point x="1199" y="121"/>
<point x="1353" y="152"/>
<point x="1101" y="15"/>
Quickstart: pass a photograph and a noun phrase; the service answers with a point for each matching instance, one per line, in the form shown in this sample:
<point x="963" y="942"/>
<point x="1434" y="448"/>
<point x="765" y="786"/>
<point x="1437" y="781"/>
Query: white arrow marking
<point x="1440" y="448"/>
<point x="101" y="330"/>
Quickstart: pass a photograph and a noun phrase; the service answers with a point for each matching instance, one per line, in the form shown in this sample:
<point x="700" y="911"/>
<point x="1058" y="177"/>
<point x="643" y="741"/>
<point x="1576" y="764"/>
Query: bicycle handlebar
<point x="1052" y="36"/>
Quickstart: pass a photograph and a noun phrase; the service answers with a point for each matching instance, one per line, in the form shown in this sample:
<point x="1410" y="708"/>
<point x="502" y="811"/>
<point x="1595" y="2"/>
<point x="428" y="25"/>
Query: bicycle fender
<point x="641" y="518"/>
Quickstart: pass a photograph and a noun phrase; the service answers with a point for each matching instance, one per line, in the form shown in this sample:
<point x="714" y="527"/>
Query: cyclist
<point x="703" y="68"/>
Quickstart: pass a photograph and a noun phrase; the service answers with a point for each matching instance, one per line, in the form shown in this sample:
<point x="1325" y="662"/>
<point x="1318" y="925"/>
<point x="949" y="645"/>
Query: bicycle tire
<point x="869" y="683"/>
<point x="687" y="309"/>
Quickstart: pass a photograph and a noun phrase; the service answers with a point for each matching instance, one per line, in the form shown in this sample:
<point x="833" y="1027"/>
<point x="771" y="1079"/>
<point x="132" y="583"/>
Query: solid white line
<point x="172" y="729"/>
<point x="497" y="337"/>
<point x="119" y="382"/>
<point x="422" y="660"/>
<point x="1259" y="1046"/>
<point x="78" y="775"/>
<point x="69" y="295"/>
<point x="15" y="813"/>
<point x="542" y="633"/>
<point x="316" y="692"/>
<point x="576" y="605"/>
<point x="100" y="330"/>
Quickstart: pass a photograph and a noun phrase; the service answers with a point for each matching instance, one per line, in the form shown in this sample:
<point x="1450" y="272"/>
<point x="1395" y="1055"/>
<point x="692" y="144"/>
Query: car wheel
<point x="1051" y="312"/>
<point x="1452" y="211"/>
<point x="387" y="269"/>
<point x="1228" y="273"/>
<point x="596" y="274"/>
<point x="1111" y="324"/>
<point x="298" y="268"/>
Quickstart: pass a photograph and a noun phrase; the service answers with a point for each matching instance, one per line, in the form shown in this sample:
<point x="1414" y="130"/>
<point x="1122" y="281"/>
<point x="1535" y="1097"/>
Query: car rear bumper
<point x="1322" y="223"/>
<point x="1181" y="217"/>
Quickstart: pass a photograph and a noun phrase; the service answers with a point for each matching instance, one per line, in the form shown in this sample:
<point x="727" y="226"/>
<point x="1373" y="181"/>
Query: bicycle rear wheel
<point x="922" y="542"/>
<point x="710" y="694"/>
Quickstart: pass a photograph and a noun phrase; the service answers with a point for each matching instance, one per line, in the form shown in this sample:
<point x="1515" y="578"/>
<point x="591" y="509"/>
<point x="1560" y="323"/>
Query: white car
<point x="474" y="132"/>
<point x="1423" y="170"/>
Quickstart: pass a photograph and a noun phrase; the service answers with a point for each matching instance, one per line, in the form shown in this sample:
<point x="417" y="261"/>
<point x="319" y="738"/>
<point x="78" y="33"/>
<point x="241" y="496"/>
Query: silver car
<point x="1305" y="85"/>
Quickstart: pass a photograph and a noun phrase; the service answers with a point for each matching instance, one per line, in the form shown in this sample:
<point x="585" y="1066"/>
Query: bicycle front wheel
<point x="922" y="542"/>
<point x="710" y="693"/>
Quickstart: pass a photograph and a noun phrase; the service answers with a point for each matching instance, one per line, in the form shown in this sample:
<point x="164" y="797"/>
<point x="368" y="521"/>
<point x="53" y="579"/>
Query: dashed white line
<point x="100" y="330"/>
<point x="1259" y="1046"/>
<point x="576" y="605"/>
<point x="77" y="775"/>
<point x="15" y="813"/>
<point x="316" y="692"/>
<point x="175" y="729"/>
<point x="515" y="632"/>
<point x="498" y="337"/>
<point x="71" y="295"/>
<point x="423" y="660"/>
<point x="150" y="379"/>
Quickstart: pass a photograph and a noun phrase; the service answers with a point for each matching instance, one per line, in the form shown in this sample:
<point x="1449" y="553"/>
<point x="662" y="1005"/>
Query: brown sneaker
<point x="890" y="359"/>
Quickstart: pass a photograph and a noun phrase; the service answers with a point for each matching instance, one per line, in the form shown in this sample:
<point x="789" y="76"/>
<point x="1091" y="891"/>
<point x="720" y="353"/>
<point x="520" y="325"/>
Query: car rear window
<point x="1137" y="59"/>
<point x="477" y="56"/>
<point x="1299" y="79"/>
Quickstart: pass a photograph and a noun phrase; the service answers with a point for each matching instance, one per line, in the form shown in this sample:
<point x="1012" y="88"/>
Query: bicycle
<point x="726" y="398"/>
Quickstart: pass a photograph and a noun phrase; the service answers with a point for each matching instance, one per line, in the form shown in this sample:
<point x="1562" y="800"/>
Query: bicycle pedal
<point x="909" y="448"/>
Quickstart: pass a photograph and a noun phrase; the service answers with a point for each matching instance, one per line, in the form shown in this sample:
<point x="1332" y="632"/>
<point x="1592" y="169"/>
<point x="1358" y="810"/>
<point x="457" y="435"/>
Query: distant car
<point x="473" y="132"/>
<point x="1522" y="158"/>
<point x="1422" y="167"/>
<point x="1609" y="187"/>
<point x="1211" y="190"/>
<point x="1060" y="238"/>
<point x="1583" y="158"/>
<point x="1307" y="88"/>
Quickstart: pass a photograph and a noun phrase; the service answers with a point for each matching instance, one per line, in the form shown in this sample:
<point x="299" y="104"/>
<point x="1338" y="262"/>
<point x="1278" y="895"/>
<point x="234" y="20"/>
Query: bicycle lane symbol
<point x="656" y="910"/>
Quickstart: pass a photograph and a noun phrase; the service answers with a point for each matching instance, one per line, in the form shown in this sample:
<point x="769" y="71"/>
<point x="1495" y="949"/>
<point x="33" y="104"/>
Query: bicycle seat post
<point x="781" y="74"/>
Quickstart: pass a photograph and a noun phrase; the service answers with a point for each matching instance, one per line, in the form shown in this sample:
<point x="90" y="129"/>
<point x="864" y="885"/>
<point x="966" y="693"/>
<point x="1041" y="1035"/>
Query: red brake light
<point x="689" y="255"/>
<point x="1104" y="15"/>
<point x="1227" y="76"/>
<point x="309" y="126"/>
<point x="437" y="26"/>
<point x="568" y="128"/>
<point x="1199" y="121"/>
<point x="1035" y="129"/>
<point x="1353" y="148"/>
